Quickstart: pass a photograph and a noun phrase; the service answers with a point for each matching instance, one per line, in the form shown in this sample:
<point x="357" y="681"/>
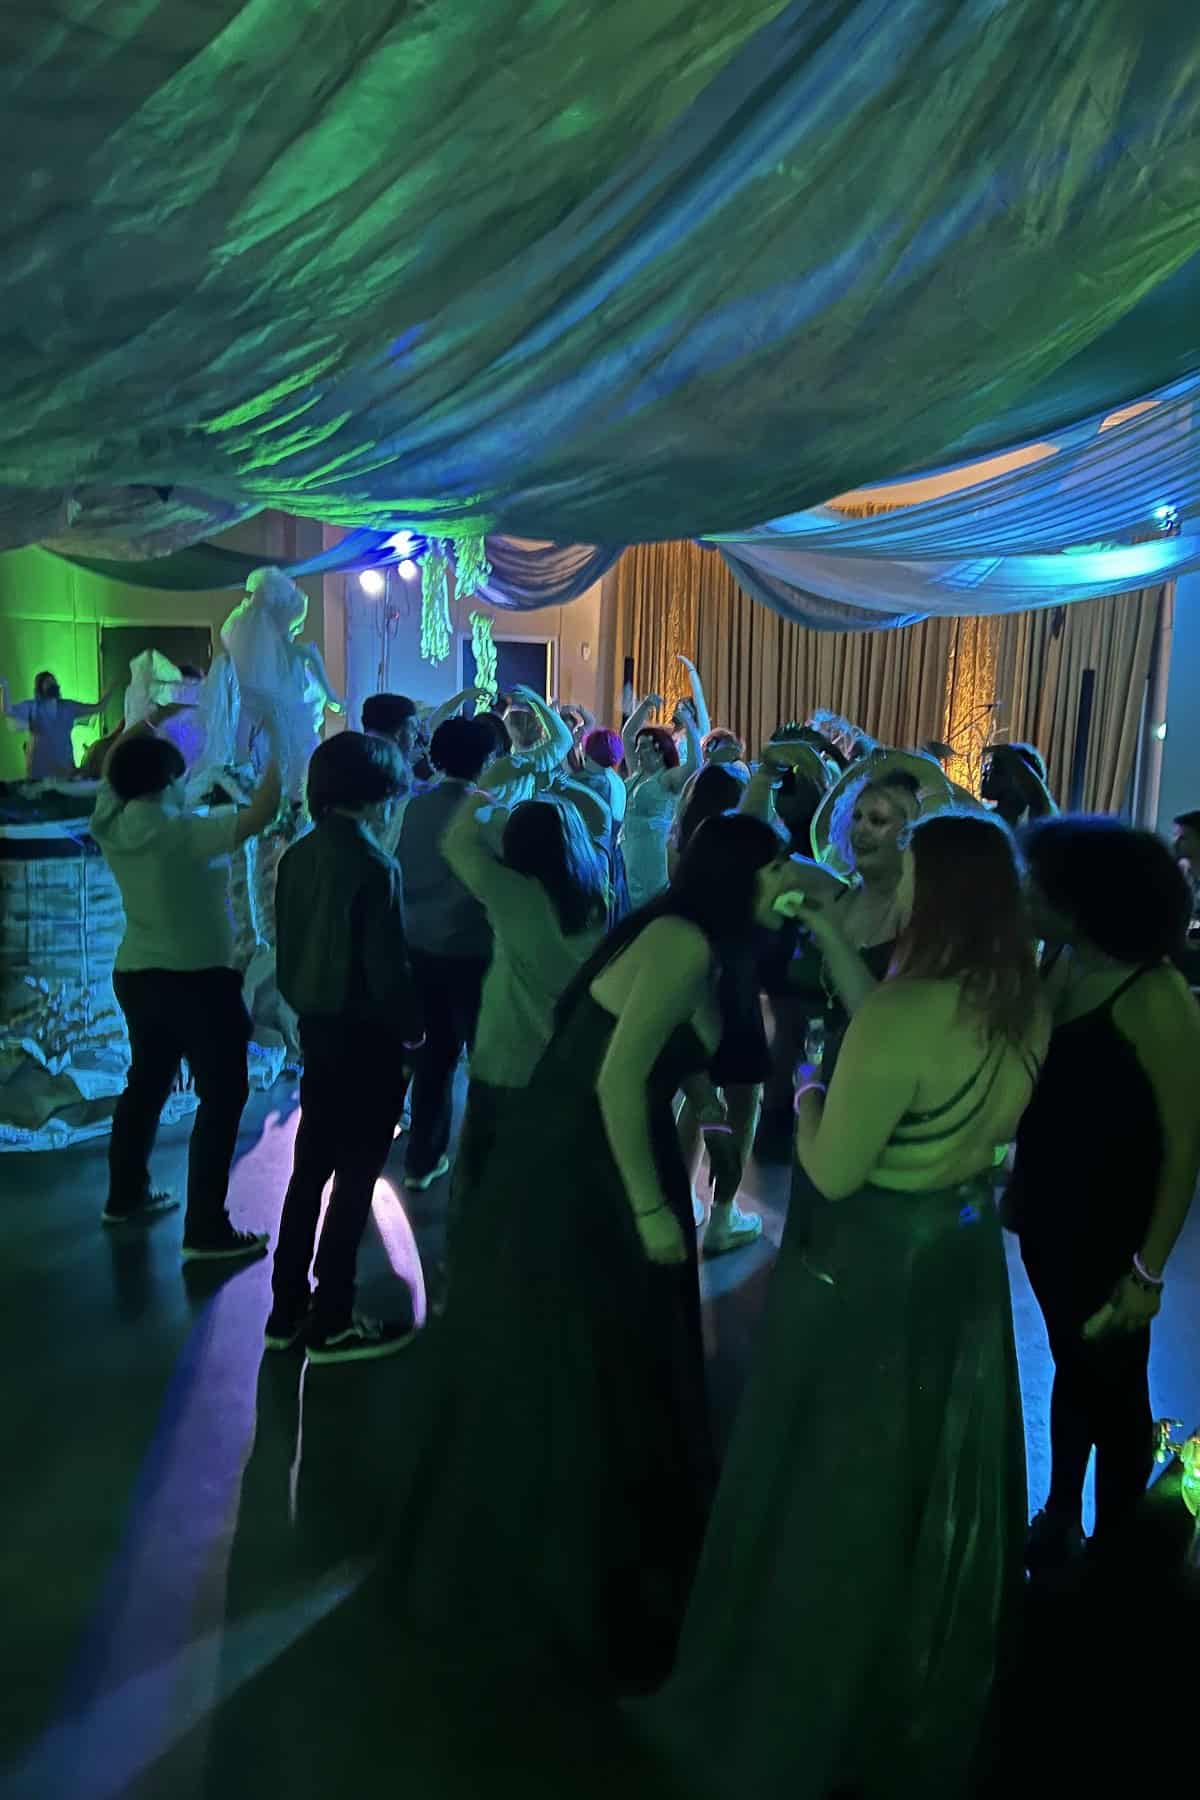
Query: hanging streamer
<point x="484" y="652"/>
<point x="436" y="628"/>
<point x="471" y="566"/>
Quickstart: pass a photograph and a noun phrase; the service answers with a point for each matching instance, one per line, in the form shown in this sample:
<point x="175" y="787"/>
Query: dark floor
<point x="188" y="1527"/>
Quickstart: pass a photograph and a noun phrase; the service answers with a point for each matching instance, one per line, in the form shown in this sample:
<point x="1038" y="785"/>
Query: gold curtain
<point x="965" y="681"/>
<point x="759" y="669"/>
<point x="1040" y="661"/>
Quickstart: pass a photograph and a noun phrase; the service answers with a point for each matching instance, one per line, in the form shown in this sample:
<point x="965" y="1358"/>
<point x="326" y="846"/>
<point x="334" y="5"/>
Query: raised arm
<point x="450" y="708"/>
<point x="558" y="741"/>
<point x="465" y="846"/>
<point x="703" y="722"/>
<point x="638" y="719"/>
<point x="597" y="818"/>
<point x="691" y="762"/>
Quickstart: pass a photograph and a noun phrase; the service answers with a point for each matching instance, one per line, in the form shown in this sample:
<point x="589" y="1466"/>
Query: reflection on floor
<point x="188" y="1528"/>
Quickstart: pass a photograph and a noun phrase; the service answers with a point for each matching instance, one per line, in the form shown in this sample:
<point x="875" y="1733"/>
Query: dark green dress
<point x="561" y="1468"/>
<point x="865" y="1544"/>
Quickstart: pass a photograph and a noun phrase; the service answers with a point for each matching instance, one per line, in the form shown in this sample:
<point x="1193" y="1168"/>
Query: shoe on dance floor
<point x="419" y="1184"/>
<point x="363" y="1340"/>
<point x="226" y="1245"/>
<point x="283" y="1330"/>
<point x="730" y="1228"/>
<point x="152" y="1207"/>
<point x="1055" y="1543"/>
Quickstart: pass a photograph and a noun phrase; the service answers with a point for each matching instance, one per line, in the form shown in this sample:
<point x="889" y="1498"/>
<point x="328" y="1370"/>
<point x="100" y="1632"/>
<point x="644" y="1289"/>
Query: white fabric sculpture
<point x="280" y="679"/>
<point x="206" y="733"/>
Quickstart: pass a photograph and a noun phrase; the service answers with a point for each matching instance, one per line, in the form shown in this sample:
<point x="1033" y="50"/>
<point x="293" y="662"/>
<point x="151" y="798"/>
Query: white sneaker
<point x="731" y="1229"/>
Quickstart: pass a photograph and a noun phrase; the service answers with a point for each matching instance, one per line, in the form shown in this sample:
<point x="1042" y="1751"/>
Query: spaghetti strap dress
<point x="865" y="1544"/>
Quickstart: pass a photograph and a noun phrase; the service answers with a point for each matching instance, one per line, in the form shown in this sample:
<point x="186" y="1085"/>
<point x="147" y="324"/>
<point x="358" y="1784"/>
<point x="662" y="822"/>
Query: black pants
<point x="450" y="988"/>
<point x="199" y="1015"/>
<point x="1101" y="1393"/>
<point x="351" y="1096"/>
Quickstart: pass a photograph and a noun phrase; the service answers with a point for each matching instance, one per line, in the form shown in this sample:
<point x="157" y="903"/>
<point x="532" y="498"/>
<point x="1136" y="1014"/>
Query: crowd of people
<point x="640" y="939"/>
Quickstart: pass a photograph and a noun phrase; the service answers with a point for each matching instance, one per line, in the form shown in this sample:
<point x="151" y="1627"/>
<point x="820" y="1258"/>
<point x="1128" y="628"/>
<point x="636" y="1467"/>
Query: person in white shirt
<point x="50" y="720"/>
<point x="175" y="981"/>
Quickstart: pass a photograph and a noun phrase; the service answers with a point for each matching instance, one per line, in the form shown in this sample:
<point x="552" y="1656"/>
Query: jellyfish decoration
<point x="205" y="730"/>
<point x="283" y="685"/>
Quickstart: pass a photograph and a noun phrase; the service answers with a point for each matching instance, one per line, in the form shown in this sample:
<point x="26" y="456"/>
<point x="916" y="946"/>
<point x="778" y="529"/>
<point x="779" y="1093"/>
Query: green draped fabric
<point x="591" y="272"/>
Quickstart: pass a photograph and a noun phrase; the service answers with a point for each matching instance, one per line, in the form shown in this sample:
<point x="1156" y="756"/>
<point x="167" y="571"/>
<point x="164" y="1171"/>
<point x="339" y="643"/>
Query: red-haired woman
<point x="653" y="788"/>
<point x="869" y="1526"/>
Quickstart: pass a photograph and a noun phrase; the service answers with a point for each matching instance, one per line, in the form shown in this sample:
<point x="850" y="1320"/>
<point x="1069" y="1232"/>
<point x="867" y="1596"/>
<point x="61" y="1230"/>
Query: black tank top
<point x="1089" y="1148"/>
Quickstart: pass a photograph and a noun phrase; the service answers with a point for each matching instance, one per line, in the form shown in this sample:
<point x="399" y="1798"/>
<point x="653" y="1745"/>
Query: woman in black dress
<point x="561" y="1458"/>
<point x="1107" y="1155"/>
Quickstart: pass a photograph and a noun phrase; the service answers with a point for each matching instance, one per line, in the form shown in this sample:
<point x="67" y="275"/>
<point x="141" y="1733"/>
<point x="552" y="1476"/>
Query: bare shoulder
<point x="675" y="941"/>
<point x="1162" y="1004"/>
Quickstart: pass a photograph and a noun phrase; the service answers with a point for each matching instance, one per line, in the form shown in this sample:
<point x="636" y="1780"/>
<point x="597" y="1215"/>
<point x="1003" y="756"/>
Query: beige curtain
<point x="965" y="681"/>
<point x="758" y="669"/>
<point x="1040" y="661"/>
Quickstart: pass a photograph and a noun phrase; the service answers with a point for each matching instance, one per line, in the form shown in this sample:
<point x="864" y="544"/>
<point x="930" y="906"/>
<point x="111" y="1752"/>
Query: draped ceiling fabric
<point x="1043" y="525"/>
<point x="1046" y="531"/>
<point x="590" y="274"/>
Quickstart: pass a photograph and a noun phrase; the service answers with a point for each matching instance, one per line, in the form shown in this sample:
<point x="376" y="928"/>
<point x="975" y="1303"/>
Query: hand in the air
<point x="655" y="701"/>
<point x="662" y="1239"/>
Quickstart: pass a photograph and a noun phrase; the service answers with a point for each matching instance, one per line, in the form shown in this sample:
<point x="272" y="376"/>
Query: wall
<point x="574" y="630"/>
<point x="1180" y="789"/>
<point x="51" y="614"/>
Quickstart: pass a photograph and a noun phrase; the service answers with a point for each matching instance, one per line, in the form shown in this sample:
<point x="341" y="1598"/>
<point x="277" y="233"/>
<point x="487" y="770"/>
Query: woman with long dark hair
<point x="1107" y="1155"/>
<point x="563" y="1469"/>
<point x="867" y="1532"/>
<point x="546" y="896"/>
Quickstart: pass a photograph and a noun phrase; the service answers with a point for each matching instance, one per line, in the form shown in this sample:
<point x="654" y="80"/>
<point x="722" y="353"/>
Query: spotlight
<point x="407" y="569"/>
<point x="372" y="582"/>
<point x="1160" y="732"/>
<point x="1166" y="517"/>
<point x="402" y="542"/>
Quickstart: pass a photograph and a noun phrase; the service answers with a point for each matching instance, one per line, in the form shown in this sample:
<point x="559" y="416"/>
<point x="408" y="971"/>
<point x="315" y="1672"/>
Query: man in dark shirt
<point x="343" y="967"/>
<point x="450" y="939"/>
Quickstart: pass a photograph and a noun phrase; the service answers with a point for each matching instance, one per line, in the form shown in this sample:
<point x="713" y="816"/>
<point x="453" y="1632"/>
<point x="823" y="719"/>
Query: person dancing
<point x="175" y="981"/>
<point x="1107" y="1156"/>
<point x="569" y="1356"/>
<point x="343" y="968"/>
<point x="866" y="1536"/>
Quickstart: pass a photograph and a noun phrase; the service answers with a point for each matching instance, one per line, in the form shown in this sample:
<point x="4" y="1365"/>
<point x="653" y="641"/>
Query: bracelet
<point x="650" y="1211"/>
<point x="717" y="1130"/>
<point x="811" y="1087"/>
<point x="1141" y="1273"/>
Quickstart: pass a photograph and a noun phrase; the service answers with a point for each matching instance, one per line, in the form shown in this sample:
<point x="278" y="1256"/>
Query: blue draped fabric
<point x="524" y="575"/>
<point x="584" y="273"/>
